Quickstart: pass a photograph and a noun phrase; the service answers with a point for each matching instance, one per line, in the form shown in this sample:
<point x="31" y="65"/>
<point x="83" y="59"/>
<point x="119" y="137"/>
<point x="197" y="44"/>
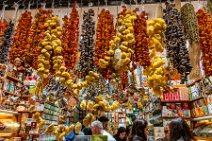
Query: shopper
<point x="87" y="131"/>
<point x="121" y="134"/>
<point x="97" y="129"/>
<point x="139" y="131"/>
<point x="104" y="120"/>
<point x="180" y="131"/>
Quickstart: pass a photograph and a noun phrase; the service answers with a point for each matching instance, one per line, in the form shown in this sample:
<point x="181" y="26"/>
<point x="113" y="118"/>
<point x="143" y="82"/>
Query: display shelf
<point x="9" y="93"/>
<point x="202" y="139"/>
<point x="175" y="101"/>
<point x="13" y="79"/>
<point x="202" y="118"/>
<point x="176" y="117"/>
<point x="196" y="99"/>
<point x="8" y="112"/>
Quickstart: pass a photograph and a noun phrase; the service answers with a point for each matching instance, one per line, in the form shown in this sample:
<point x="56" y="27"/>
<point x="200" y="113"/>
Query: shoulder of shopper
<point x="137" y="138"/>
<point x="109" y="136"/>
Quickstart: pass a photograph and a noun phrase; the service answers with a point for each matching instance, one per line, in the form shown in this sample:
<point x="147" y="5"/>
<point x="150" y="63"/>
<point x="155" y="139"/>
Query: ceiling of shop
<point x="65" y="3"/>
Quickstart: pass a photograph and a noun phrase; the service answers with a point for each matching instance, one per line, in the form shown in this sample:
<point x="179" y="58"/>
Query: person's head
<point x="178" y="128"/>
<point x="104" y="120"/>
<point x="87" y="131"/>
<point x="121" y="133"/>
<point x="140" y="115"/>
<point x="96" y="127"/>
<point x="139" y="128"/>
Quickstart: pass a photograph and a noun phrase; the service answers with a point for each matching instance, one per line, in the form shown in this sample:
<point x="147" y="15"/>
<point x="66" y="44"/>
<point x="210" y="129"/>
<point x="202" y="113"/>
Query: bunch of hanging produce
<point x="189" y="22"/>
<point x="51" y="59"/>
<point x="177" y="52"/>
<point x="120" y="47"/>
<point x="21" y="46"/>
<point x="86" y="48"/>
<point x="209" y="6"/>
<point x="6" y="42"/>
<point x="205" y="33"/>
<point x="3" y="26"/>
<point x="36" y="35"/>
<point x="99" y="105"/>
<point x="104" y="33"/>
<point x="141" y="55"/>
<point x="60" y="130"/>
<point x="155" y="73"/>
<point x="70" y="36"/>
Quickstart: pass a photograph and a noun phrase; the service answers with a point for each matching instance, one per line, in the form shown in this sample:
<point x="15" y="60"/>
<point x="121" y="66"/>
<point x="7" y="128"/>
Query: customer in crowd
<point x="139" y="131"/>
<point x="104" y="120"/>
<point x="121" y="134"/>
<point x="180" y="131"/>
<point x="97" y="129"/>
<point x="87" y="131"/>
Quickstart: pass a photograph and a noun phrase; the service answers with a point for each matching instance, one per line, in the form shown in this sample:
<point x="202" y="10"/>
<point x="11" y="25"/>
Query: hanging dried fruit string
<point x="86" y="47"/>
<point x="141" y="55"/>
<point x="205" y="33"/>
<point x="21" y="46"/>
<point x="191" y="32"/>
<point x="6" y="42"/>
<point x="177" y="52"/>
<point x="3" y="26"/>
<point x="209" y="6"/>
<point x="70" y="37"/>
<point x="36" y="35"/>
<point x="104" y="33"/>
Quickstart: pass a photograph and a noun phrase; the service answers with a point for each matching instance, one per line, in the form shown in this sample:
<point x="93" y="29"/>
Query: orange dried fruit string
<point x="205" y="34"/>
<point x="20" y="46"/>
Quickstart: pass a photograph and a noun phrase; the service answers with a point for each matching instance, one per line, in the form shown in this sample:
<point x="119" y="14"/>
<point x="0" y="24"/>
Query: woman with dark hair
<point x="139" y="131"/>
<point x="121" y="134"/>
<point x="180" y="131"/>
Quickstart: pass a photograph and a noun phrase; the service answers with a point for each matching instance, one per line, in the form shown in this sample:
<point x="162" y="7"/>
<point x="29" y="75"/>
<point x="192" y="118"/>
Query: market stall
<point x="61" y="68"/>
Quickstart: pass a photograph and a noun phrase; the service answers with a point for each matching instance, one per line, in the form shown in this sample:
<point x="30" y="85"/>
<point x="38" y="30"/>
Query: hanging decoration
<point x="205" y="33"/>
<point x="36" y="35"/>
<point x="3" y="26"/>
<point x="6" y="42"/>
<point x="191" y="32"/>
<point x="70" y="37"/>
<point x="141" y="55"/>
<point x="104" y="33"/>
<point x="21" y="46"/>
<point x="177" y="52"/>
<point x="155" y="73"/>
<point x="209" y="6"/>
<point x="86" y="47"/>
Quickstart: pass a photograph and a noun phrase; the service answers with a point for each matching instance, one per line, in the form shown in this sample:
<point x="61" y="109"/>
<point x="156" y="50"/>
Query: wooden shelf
<point x="175" y="101"/>
<point x="196" y="99"/>
<point x="13" y="79"/>
<point x="176" y="117"/>
<point x="8" y="112"/>
<point x="9" y="93"/>
<point x="202" y="139"/>
<point x="202" y="118"/>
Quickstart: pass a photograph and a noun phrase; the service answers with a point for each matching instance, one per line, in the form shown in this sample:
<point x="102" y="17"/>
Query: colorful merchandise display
<point x="105" y="72"/>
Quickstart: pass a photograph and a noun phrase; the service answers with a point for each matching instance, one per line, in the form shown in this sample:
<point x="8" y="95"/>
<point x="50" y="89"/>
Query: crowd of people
<point x="178" y="130"/>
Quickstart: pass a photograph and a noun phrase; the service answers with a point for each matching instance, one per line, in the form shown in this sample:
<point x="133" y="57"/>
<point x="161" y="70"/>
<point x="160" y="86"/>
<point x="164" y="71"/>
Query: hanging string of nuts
<point x="86" y="49"/>
<point x="36" y="35"/>
<point x="21" y="46"/>
<point x="104" y="33"/>
<point x="6" y="42"/>
<point x="177" y="52"/>
<point x="70" y="37"/>
<point x="141" y="50"/>
<point x="189" y="22"/>
<point x="205" y="33"/>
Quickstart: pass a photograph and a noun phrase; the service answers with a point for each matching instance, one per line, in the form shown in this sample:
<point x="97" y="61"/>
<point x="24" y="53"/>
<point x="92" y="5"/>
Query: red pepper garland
<point x="205" y="34"/>
<point x="70" y="42"/>
<point x="104" y="33"/>
<point x="141" y="51"/>
<point x="3" y="26"/>
<point x="20" y="46"/>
